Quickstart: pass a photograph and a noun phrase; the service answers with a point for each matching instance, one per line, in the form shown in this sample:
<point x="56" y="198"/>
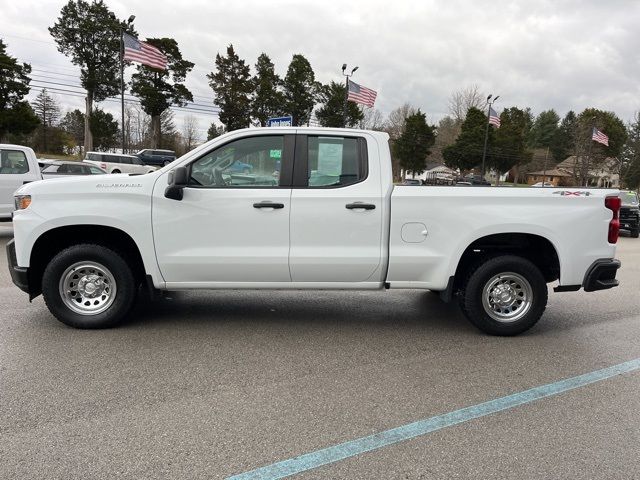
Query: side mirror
<point x="178" y="179"/>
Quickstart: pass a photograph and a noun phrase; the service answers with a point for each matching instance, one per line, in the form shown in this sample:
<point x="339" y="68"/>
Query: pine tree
<point x="160" y="89"/>
<point x="16" y="115"/>
<point x="630" y="165"/>
<point x="331" y="113"/>
<point x="214" y="131"/>
<point x="300" y="90"/>
<point x="89" y="33"/>
<point x="268" y="99"/>
<point x="466" y="152"/>
<point x="544" y="129"/>
<point x="48" y="112"/>
<point x="414" y="144"/>
<point x="232" y="87"/>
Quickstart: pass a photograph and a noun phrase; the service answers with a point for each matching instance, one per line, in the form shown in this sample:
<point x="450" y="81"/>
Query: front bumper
<point x="19" y="275"/>
<point x="601" y="275"/>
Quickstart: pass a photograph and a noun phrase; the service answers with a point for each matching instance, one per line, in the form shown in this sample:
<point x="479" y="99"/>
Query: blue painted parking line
<point x="352" y="448"/>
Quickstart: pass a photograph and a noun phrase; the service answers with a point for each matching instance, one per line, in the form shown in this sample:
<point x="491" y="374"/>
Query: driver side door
<point x="231" y="229"/>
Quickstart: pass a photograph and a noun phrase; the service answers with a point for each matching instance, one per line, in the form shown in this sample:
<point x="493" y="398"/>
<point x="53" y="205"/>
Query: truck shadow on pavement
<point x="400" y="309"/>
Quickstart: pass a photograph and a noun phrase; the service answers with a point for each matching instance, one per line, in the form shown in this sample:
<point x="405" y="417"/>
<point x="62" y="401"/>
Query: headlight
<point x="22" y="201"/>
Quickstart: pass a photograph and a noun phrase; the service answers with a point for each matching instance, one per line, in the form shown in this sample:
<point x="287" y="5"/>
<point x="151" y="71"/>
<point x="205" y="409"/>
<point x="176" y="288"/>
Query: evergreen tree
<point x="160" y="89"/>
<point x="630" y="165"/>
<point x="543" y="130"/>
<point x="413" y="145"/>
<point x="268" y="99"/>
<point x="232" y="87"/>
<point x="509" y="146"/>
<point x="563" y="142"/>
<point x="466" y="152"/>
<point x="48" y="112"/>
<point x="300" y="90"/>
<point x="89" y="33"/>
<point x="105" y="130"/>
<point x="214" y="131"/>
<point x="331" y="113"/>
<point x="16" y="115"/>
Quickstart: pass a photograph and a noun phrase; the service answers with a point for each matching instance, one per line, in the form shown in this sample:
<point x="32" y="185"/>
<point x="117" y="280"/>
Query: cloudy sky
<point x="540" y="54"/>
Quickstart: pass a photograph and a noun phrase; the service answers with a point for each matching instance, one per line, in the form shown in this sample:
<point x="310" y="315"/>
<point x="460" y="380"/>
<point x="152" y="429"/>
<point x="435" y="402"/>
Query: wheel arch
<point x="52" y="241"/>
<point x="537" y="248"/>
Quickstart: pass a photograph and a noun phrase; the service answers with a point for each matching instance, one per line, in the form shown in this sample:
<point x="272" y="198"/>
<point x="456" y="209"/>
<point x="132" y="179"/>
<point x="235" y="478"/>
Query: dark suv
<point x="156" y="157"/>
<point x="630" y="213"/>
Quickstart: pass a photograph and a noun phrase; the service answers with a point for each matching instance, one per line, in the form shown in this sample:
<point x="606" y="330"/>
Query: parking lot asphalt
<point x="212" y="384"/>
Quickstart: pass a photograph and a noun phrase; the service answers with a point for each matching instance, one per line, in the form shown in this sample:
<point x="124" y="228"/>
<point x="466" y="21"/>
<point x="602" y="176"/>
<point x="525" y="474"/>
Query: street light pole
<point x="346" y="92"/>
<point x="129" y="22"/>
<point x="486" y="131"/>
<point x="586" y="173"/>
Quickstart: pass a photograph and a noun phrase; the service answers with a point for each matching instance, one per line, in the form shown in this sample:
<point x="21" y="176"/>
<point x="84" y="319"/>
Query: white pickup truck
<point x="319" y="210"/>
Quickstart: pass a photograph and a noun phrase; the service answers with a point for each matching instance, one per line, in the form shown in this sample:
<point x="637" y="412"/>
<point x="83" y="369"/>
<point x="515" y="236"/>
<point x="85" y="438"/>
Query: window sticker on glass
<point x="275" y="153"/>
<point x="329" y="157"/>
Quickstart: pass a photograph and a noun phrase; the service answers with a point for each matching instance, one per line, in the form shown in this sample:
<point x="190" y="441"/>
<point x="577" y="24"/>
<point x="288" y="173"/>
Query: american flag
<point x="360" y="94"/>
<point x="599" y="137"/>
<point x="144" y="53"/>
<point x="494" y="119"/>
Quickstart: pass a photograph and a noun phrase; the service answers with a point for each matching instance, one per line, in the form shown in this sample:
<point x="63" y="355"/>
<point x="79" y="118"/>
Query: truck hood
<point x="88" y="184"/>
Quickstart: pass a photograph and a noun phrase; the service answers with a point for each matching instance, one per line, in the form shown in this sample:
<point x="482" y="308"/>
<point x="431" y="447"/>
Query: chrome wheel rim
<point x="507" y="297"/>
<point x="87" y="288"/>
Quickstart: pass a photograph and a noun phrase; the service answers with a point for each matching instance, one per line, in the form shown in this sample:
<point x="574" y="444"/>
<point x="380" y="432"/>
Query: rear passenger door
<point x="336" y="211"/>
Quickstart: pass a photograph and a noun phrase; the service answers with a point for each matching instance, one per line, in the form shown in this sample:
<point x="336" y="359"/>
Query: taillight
<point x="613" y="204"/>
<point x="103" y="166"/>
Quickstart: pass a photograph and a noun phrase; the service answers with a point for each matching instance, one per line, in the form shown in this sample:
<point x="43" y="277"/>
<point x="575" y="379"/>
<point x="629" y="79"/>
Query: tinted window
<point x="125" y="160"/>
<point x="333" y="161"/>
<point x="50" y="168"/>
<point x="629" y="198"/>
<point x="13" y="162"/>
<point x="249" y="162"/>
<point x="94" y="156"/>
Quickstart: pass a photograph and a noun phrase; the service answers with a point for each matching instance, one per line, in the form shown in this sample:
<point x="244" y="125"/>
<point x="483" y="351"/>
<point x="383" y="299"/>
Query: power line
<point x="71" y="93"/>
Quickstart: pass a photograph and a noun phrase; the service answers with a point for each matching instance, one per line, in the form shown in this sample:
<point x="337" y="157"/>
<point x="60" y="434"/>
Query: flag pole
<point x="122" y="85"/>
<point x="586" y="174"/>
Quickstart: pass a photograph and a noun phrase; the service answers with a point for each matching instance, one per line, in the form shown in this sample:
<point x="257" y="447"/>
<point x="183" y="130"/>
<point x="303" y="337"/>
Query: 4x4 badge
<point x="569" y="193"/>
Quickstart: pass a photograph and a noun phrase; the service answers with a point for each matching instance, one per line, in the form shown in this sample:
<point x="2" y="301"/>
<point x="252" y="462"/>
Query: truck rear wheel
<point x="635" y="233"/>
<point x="88" y="286"/>
<point x="504" y="295"/>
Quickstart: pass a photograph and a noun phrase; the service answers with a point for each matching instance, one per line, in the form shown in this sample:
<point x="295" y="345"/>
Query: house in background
<point x="557" y="177"/>
<point x="568" y="173"/>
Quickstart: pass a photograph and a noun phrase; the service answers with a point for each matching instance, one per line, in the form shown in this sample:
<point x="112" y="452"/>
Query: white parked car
<point x="18" y="165"/>
<point x="118" y="163"/>
<point x="543" y="184"/>
<point x="318" y="211"/>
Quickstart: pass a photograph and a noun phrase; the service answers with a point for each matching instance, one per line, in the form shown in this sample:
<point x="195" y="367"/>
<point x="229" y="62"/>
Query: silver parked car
<point x="62" y="168"/>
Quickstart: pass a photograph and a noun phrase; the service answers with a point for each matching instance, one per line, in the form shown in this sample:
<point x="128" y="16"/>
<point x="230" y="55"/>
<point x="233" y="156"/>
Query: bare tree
<point x="372" y="120"/>
<point x="462" y="100"/>
<point x="189" y="132"/>
<point x="394" y="126"/>
<point x="137" y="127"/>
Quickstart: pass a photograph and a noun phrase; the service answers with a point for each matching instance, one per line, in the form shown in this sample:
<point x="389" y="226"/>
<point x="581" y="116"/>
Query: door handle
<point x="364" y="206"/>
<point x="268" y="205"/>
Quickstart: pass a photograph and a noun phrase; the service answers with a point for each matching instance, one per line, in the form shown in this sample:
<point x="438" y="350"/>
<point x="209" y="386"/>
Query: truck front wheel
<point x="504" y="295"/>
<point x="88" y="286"/>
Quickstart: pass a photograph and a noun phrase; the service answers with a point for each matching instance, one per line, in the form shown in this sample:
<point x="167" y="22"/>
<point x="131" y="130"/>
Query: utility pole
<point x="346" y="92"/>
<point x="486" y="131"/>
<point x="544" y="169"/>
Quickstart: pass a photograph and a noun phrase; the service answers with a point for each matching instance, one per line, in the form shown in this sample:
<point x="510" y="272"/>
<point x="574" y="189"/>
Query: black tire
<point x="635" y="233"/>
<point x="484" y="274"/>
<point x="115" y="171"/>
<point x="117" y="267"/>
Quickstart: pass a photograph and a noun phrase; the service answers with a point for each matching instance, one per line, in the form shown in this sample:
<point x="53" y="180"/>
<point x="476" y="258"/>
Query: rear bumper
<point x="601" y="275"/>
<point x="19" y="275"/>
